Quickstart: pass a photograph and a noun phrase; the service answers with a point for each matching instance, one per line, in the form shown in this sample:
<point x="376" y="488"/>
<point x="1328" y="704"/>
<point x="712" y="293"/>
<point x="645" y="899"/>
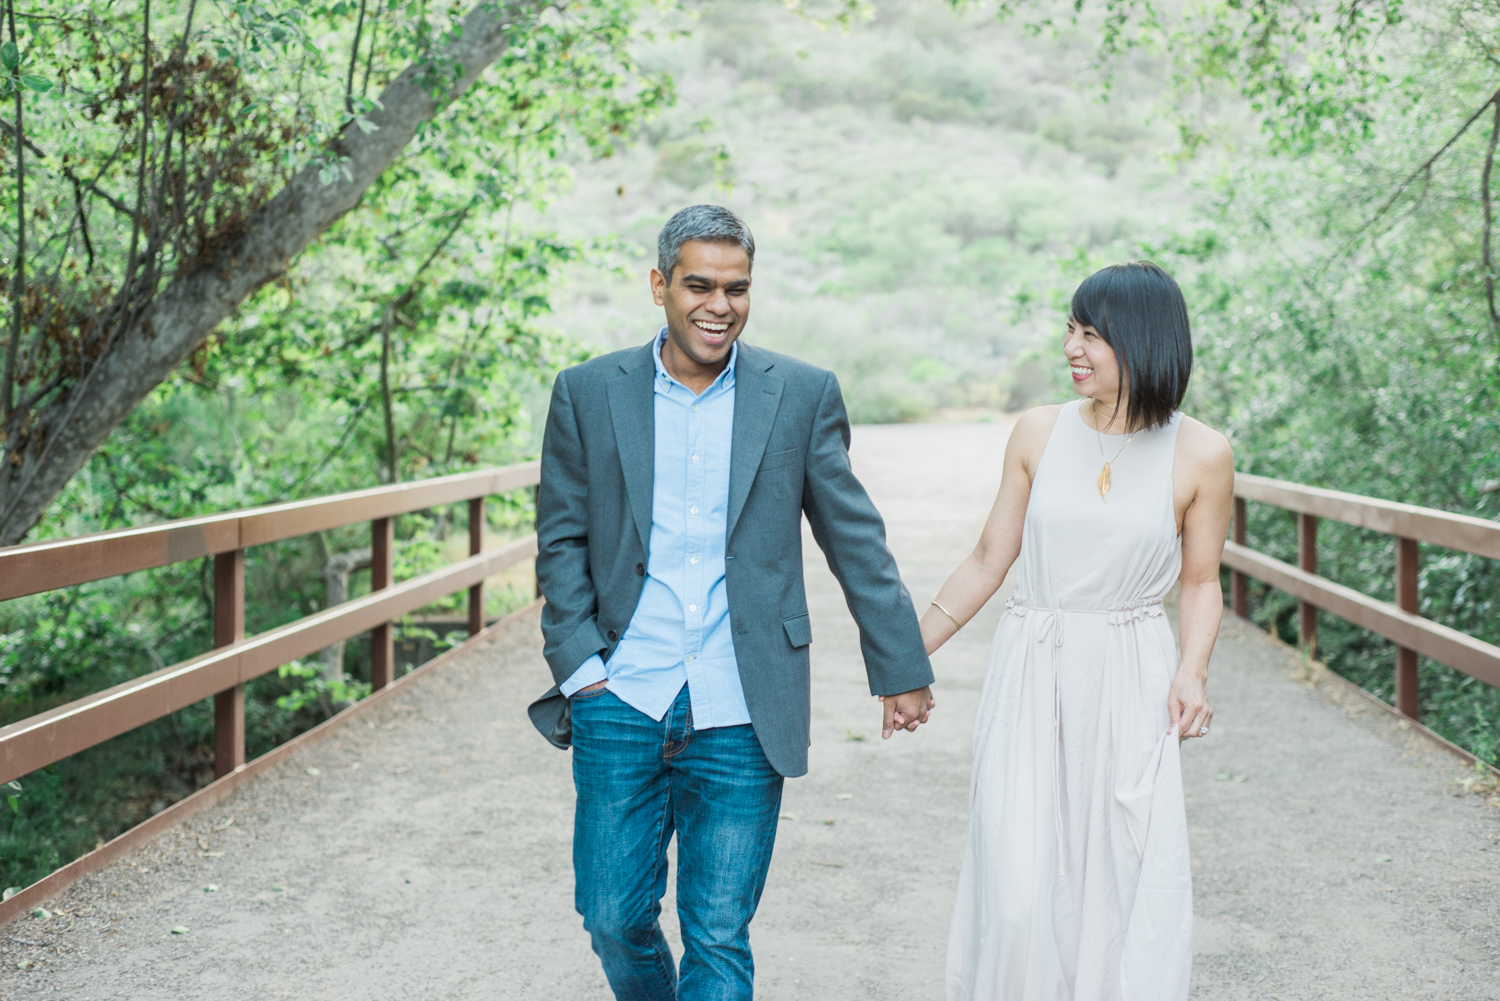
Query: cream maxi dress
<point x="1075" y="882"/>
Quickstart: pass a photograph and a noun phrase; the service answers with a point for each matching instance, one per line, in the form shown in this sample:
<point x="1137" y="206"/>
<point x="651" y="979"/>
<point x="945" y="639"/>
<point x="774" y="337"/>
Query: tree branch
<point x="385" y="393"/>
<point x="1424" y="170"/>
<point x="359" y="27"/>
<point x="13" y="348"/>
<point x="155" y="339"/>
<point x="83" y="215"/>
<point x="140" y="177"/>
<point x="343" y="438"/>
<point x="10" y="130"/>
<point x="1489" y="219"/>
<point x="93" y="186"/>
<point x="364" y="87"/>
<point x="43" y="390"/>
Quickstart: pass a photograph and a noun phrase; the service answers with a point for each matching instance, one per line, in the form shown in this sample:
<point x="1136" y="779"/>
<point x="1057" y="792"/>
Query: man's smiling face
<point x="707" y="307"/>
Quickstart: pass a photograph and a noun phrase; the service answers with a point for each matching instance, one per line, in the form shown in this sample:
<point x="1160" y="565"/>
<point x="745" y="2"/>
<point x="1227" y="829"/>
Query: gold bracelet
<point x="956" y="624"/>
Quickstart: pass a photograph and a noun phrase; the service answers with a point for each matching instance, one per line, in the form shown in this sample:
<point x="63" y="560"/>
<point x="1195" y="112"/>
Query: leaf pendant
<point x="1104" y="482"/>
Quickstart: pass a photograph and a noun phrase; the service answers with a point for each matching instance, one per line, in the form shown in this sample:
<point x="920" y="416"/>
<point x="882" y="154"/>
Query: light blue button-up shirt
<point x="680" y="631"/>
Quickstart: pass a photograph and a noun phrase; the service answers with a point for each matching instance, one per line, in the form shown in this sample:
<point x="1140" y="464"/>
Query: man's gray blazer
<point x="789" y="455"/>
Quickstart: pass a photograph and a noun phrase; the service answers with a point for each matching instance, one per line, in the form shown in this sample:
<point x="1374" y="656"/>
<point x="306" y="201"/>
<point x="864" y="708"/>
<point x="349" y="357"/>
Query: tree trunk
<point x="66" y="431"/>
<point x="336" y="570"/>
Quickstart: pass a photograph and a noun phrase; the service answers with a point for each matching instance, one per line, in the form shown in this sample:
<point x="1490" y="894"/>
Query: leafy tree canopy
<point x="154" y="140"/>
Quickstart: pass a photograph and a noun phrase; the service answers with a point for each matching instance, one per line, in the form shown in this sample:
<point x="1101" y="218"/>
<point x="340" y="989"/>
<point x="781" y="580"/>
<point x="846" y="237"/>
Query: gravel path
<point x="424" y="852"/>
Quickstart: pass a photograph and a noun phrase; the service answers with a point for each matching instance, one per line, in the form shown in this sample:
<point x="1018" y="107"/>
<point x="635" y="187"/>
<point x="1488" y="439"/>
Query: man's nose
<point x="718" y="302"/>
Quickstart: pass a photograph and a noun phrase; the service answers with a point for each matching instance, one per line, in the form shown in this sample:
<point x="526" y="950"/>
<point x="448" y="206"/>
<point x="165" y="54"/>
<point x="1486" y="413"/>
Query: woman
<point x="1076" y="884"/>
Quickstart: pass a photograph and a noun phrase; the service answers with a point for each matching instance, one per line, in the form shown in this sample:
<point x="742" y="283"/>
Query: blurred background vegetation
<point x="924" y="186"/>
<point x="927" y="184"/>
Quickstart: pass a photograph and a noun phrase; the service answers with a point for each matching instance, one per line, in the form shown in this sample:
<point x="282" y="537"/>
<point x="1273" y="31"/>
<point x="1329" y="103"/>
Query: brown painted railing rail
<point x="1400" y="621"/>
<point x="39" y="740"/>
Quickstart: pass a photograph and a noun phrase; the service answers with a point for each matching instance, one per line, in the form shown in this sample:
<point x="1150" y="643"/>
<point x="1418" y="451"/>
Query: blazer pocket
<point x="798" y="630"/>
<point x="777" y="459"/>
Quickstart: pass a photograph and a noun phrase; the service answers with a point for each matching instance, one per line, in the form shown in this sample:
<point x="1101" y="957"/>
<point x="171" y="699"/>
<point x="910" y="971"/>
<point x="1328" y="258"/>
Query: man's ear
<point x="658" y="287"/>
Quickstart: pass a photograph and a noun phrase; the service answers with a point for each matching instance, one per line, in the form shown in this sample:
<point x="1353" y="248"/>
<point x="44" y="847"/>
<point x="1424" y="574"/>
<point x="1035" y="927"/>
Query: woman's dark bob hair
<point x="1139" y="311"/>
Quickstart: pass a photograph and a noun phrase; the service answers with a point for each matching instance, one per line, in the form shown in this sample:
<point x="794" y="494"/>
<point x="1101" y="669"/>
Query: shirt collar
<point x="725" y="379"/>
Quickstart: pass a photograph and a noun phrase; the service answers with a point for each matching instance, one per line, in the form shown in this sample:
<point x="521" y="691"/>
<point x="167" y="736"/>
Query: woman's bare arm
<point x="980" y="575"/>
<point x="1206" y="474"/>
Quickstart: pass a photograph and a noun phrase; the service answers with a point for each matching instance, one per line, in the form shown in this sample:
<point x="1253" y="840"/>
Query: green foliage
<point x="316" y="688"/>
<point x="920" y="184"/>
<point x="1309" y="72"/>
<point x="1344" y="336"/>
<point x="412" y="340"/>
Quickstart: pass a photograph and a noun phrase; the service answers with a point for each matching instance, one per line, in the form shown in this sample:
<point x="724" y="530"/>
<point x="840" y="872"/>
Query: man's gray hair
<point x="705" y="223"/>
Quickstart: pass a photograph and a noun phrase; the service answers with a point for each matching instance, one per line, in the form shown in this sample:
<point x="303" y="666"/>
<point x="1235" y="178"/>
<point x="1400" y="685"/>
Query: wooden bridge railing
<point x="47" y="737"/>
<point x="1400" y="622"/>
<point x="39" y="740"/>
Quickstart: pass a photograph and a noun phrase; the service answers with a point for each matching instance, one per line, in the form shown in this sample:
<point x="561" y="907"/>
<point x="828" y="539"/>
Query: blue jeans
<point x="638" y="781"/>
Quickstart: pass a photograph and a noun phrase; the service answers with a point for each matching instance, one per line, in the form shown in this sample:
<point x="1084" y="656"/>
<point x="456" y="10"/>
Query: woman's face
<point x="1095" y="370"/>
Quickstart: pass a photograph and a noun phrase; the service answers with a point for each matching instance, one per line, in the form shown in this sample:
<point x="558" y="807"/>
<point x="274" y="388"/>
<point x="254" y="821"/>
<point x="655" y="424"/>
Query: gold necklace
<point x="1103" y="481"/>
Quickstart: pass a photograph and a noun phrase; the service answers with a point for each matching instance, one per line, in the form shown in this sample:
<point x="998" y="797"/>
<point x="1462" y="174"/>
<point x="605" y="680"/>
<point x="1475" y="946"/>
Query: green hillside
<point x="924" y="188"/>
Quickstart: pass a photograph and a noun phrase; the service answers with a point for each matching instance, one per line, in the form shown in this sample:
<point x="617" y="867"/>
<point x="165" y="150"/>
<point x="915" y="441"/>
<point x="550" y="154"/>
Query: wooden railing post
<point x="1239" y="593"/>
<point x="1307" y="559"/>
<point x="382" y="649"/>
<point x="1407" y="599"/>
<point x="536" y="517"/>
<point x="229" y="628"/>
<point x="476" y="546"/>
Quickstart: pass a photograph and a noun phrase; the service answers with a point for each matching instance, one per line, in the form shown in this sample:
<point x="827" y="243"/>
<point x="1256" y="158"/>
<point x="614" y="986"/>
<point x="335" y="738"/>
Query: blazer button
<point x="640" y="569"/>
<point x="612" y="635"/>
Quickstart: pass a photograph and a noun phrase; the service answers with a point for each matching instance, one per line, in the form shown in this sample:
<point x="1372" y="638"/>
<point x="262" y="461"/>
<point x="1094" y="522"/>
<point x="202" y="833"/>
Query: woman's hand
<point x="1188" y="706"/>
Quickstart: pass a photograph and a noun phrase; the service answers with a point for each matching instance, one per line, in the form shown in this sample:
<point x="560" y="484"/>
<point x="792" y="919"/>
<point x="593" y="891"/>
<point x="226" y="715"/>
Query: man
<point x="674" y="480"/>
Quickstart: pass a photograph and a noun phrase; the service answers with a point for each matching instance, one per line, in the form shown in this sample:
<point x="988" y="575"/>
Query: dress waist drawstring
<point x="1119" y="614"/>
<point x="1051" y="626"/>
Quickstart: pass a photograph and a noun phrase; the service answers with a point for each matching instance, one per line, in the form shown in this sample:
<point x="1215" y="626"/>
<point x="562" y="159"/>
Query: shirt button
<point x="691" y="658"/>
<point x="692" y="608"/>
<point x="696" y="408"/>
<point x="695" y="458"/>
<point x="692" y="559"/>
<point x="692" y="510"/>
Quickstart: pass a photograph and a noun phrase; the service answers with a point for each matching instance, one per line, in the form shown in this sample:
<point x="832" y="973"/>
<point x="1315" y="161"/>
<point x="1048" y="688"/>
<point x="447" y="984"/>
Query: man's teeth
<point x="711" y="328"/>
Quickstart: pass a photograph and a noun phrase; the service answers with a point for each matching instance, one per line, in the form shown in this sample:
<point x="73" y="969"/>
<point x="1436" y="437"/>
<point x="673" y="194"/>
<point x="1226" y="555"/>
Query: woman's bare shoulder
<point x="1028" y="439"/>
<point x="1203" y="449"/>
<point x="1038" y="420"/>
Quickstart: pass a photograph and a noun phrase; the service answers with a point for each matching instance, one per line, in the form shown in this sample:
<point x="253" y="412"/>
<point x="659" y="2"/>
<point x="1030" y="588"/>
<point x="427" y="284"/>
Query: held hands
<point x="1188" y="706"/>
<point x="906" y="711"/>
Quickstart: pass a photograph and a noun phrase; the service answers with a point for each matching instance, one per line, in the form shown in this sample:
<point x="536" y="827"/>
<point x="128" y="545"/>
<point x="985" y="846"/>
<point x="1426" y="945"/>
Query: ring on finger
<point x="1203" y="730"/>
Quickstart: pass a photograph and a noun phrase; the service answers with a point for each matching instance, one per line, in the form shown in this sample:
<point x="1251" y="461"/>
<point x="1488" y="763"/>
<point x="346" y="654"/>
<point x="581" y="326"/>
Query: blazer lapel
<point x="757" y="397"/>
<point x="632" y="411"/>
